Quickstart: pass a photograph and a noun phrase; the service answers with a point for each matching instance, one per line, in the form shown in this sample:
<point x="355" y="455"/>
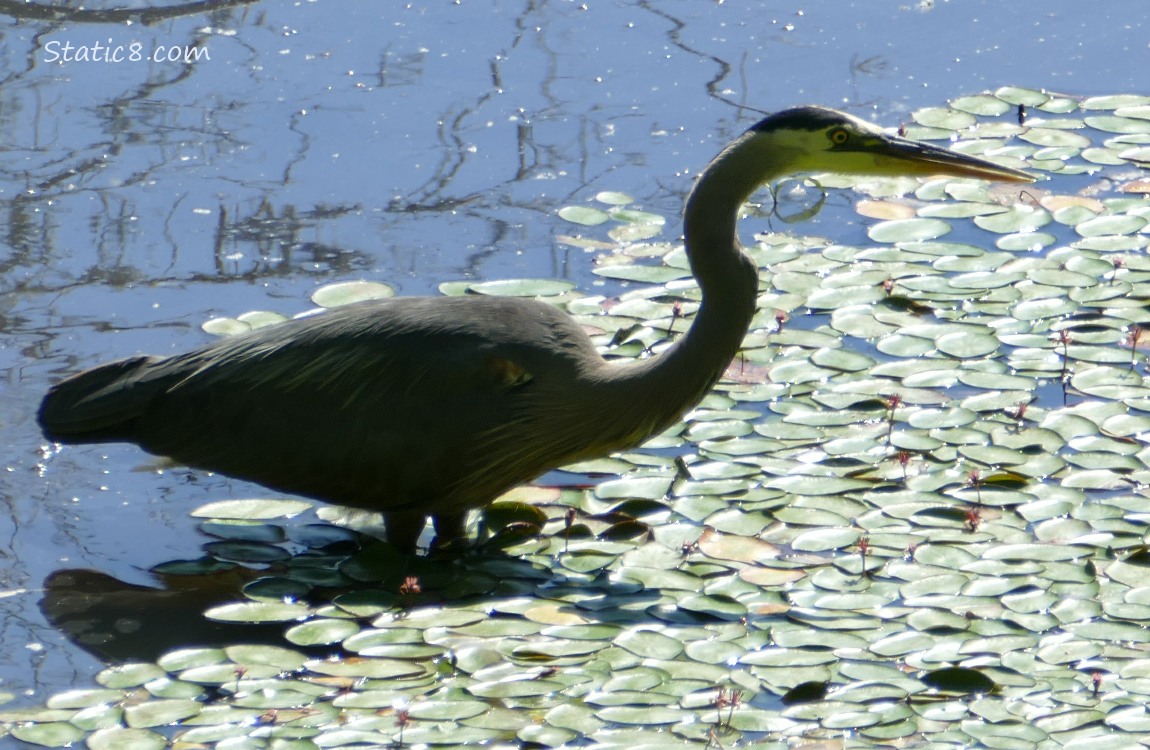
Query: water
<point x="414" y="144"/>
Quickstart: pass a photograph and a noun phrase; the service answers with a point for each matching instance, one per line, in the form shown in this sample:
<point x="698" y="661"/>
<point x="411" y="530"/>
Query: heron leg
<point x="404" y="529"/>
<point x="449" y="528"/>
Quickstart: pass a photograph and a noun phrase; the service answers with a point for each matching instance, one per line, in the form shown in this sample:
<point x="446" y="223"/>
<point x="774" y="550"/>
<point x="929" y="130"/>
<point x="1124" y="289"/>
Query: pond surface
<point x="414" y="144"/>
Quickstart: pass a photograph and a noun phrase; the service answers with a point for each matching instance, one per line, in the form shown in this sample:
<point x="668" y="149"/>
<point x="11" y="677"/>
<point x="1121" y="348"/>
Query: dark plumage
<point x="435" y="406"/>
<point x="322" y="406"/>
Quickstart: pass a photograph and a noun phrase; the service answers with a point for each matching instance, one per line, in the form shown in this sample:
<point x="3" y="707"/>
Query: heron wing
<point x="394" y="396"/>
<point x="382" y="352"/>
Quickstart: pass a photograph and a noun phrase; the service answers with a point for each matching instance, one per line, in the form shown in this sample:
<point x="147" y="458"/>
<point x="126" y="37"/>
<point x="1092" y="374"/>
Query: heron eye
<point x="839" y="136"/>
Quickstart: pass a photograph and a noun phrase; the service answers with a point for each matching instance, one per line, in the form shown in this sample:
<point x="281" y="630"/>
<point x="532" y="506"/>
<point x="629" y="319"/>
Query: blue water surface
<point x="159" y="169"/>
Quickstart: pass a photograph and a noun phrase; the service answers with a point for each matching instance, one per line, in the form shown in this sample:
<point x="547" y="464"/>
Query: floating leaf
<point x="838" y="359"/>
<point x="1054" y="137"/>
<point x="1016" y="95"/>
<point x="252" y="510"/>
<point x="321" y="631"/>
<point x="225" y="327"/>
<point x="160" y="712"/>
<point x="1048" y="307"/>
<point x="522" y="287"/>
<point x="129" y="675"/>
<point x="262" y="318"/>
<point x="822" y="540"/>
<point x="1115" y="124"/>
<point x="1103" y="225"/>
<point x="1018" y="218"/>
<point x="585" y="215"/>
<point x="966" y="345"/>
<point x="649" y="644"/>
<point x="908" y="230"/>
<point x="632" y="216"/>
<point x="120" y="738"/>
<point x="648" y="274"/>
<point x="613" y="198"/>
<point x="48" y="734"/>
<point x="1114" y="101"/>
<point x="520" y="688"/>
<point x="347" y="292"/>
<point x="942" y="117"/>
<point x="814" y="485"/>
<point x="256" y="612"/>
<point x="983" y="105"/>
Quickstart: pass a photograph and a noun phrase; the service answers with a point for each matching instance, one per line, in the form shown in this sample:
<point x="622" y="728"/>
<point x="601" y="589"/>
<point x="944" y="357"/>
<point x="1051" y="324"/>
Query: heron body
<point x="420" y="407"/>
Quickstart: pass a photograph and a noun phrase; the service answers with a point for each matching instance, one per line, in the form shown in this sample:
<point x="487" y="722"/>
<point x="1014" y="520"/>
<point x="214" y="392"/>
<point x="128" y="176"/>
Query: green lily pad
<point x="650" y="644"/>
<point x="129" y="675"/>
<point x="1016" y="95"/>
<point x="584" y="215"/>
<point x="651" y="488"/>
<point x="631" y="216"/>
<point x="121" y="738"/>
<point x="446" y="710"/>
<point x="1106" y="225"/>
<point x="1054" y="137"/>
<point x="646" y="274"/>
<point x="522" y="688"/>
<point x="982" y="104"/>
<point x="225" y="326"/>
<point x="1042" y="308"/>
<point x="48" y="734"/>
<point x="321" y="631"/>
<point x="908" y="230"/>
<point x="814" y="485"/>
<point x="944" y="117"/>
<point x="160" y="712"/>
<point x="347" y="292"/>
<point x="257" y="612"/>
<point x="822" y="540"/>
<point x="1114" y="101"/>
<point x="614" y="198"/>
<point x="1018" y="218"/>
<point x="252" y="510"/>
<point x="522" y="287"/>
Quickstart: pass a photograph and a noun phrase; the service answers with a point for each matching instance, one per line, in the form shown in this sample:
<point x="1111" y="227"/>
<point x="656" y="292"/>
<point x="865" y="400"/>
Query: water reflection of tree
<point x="259" y="242"/>
<point x="48" y="12"/>
<point x="280" y="248"/>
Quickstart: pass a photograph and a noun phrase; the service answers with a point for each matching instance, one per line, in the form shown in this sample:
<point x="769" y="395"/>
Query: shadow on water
<point x="120" y="622"/>
<point x="357" y="579"/>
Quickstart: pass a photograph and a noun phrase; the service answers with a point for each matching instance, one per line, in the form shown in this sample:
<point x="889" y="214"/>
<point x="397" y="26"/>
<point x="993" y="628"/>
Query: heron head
<point x="817" y="139"/>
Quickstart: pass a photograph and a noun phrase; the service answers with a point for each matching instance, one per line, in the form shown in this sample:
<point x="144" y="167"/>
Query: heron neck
<point x="674" y="381"/>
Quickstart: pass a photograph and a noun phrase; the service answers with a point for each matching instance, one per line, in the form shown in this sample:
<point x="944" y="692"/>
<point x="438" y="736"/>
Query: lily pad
<point x="584" y="215"/>
<point x="256" y="509"/>
<point x="908" y="230"/>
<point x="347" y="292"/>
<point x="522" y="287"/>
<point x="911" y="512"/>
<point x="258" y="612"/>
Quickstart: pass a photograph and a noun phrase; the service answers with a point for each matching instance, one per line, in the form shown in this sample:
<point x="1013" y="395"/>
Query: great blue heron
<point x="424" y="407"/>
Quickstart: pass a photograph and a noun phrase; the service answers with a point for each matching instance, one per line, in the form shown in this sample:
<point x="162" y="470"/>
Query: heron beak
<point x="904" y="156"/>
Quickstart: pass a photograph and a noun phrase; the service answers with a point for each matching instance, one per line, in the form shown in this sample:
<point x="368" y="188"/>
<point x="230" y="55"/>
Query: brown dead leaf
<point x="734" y="547"/>
<point x="884" y="209"/>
